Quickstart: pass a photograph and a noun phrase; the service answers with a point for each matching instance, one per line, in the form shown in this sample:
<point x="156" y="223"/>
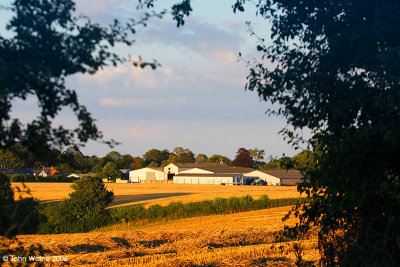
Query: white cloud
<point x="140" y="102"/>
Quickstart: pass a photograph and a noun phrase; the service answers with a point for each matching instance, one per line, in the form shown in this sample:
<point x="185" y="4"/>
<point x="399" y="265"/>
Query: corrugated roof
<point x="284" y="174"/>
<point x="200" y="165"/>
<point x="226" y="169"/>
<point x="161" y="169"/>
<point x="206" y="175"/>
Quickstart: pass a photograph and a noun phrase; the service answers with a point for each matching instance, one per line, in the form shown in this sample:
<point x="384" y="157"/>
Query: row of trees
<point x="73" y="160"/>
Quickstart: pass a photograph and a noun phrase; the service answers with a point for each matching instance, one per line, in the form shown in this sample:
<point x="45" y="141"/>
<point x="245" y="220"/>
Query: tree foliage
<point x="125" y="161"/>
<point x="201" y="158"/>
<point x="305" y="160"/>
<point x="183" y="155"/>
<point x="219" y="159"/>
<point x="336" y="71"/>
<point x="156" y="156"/>
<point x="46" y="43"/>
<point x="243" y="158"/>
<point x="137" y="163"/>
<point x="283" y="163"/>
<point x="83" y="211"/>
<point x="257" y="155"/>
<point x="110" y="170"/>
<point x="16" y="216"/>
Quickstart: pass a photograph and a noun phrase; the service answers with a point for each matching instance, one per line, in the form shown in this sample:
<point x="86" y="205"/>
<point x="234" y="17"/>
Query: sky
<point x="196" y="99"/>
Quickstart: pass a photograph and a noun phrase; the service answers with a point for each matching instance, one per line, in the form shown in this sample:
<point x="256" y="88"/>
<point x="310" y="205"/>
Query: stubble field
<point x="149" y="194"/>
<point x="242" y="239"/>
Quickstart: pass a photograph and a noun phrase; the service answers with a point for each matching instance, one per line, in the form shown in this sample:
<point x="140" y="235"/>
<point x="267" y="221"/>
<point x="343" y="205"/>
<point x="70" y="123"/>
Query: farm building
<point x="174" y="168"/>
<point x="146" y="174"/>
<point x="48" y="171"/>
<point x="212" y="175"/>
<point x="277" y="177"/>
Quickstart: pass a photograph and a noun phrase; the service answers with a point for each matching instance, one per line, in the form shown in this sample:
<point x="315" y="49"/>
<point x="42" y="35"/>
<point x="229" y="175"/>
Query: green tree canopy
<point x="156" y="156"/>
<point x="137" y="163"/>
<point x="336" y="71"/>
<point x="201" y="158"/>
<point x="257" y="155"/>
<point x="304" y="160"/>
<point x="10" y="159"/>
<point x="113" y="156"/>
<point x="219" y="159"/>
<point x="83" y="211"/>
<point x="110" y="170"/>
<point x="183" y="155"/>
<point x="124" y="161"/>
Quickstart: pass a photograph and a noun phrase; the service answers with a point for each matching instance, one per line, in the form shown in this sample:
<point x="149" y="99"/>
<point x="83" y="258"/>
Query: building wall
<point x="170" y="168"/>
<point x="145" y="174"/>
<point x="209" y="180"/>
<point x="196" y="170"/>
<point x="271" y="180"/>
<point x="290" y="181"/>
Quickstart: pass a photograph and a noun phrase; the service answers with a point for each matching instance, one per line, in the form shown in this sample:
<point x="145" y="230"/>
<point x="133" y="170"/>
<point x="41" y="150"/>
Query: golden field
<point x="241" y="239"/>
<point x="149" y="194"/>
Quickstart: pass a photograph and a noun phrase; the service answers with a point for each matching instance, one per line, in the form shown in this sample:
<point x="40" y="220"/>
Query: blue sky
<point x="196" y="99"/>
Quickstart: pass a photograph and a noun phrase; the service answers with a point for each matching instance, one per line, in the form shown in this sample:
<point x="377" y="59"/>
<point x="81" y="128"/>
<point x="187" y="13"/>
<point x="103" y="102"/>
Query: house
<point x="48" y="171"/>
<point x="26" y="171"/>
<point x="174" y="168"/>
<point x="224" y="175"/>
<point x="146" y="174"/>
<point x="277" y="177"/>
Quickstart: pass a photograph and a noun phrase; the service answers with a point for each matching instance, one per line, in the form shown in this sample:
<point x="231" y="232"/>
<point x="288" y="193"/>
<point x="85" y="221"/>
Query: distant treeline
<point x="72" y="160"/>
<point x="24" y="178"/>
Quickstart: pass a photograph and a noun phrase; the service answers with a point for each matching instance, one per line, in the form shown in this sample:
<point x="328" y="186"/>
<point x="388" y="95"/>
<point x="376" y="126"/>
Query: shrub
<point x="233" y="204"/>
<point x="246" y="203"/>
<point x="155" y="211"/>
<point x="219" y="205"/>
<point x="83" y="211"/>
<point x="176" y="210"/>
<point x="27" y="214"/>
<point x="16" y="217"/>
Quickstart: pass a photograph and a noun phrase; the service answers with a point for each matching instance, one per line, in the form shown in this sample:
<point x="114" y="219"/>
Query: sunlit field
<point x="242" y="239"/>
<point x="149" y="194"/>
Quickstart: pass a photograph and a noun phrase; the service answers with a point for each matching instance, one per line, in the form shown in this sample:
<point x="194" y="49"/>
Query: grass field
<point x="149" y="194"/>
<point x="242" y="239"/>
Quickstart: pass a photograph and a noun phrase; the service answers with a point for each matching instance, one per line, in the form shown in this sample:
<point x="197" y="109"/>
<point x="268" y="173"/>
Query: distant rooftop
<point x="284" y="174"/>
<point x="200" y="165"/>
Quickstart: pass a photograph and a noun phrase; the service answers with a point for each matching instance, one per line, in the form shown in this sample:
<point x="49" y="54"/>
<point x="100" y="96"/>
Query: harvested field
<point x="242" y="239"/>
<point x="149" y="194"/>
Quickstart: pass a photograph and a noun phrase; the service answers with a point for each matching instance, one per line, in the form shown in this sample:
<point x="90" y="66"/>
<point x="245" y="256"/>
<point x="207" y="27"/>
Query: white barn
<point x="146" y="174"/>
<point x="277" y="177"/>
<point x="212" y="175"/>
<point x="174" y="168"/>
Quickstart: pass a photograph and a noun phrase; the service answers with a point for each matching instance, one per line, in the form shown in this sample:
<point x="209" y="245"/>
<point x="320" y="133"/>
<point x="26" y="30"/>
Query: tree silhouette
<point x="243" y="158"/>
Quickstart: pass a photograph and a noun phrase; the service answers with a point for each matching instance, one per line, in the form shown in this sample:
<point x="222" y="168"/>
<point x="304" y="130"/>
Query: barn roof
<point x="206" y="175"/>
<point x="226" y="169"/>
<point x="284" y="174"/>
<point x="160" y="169"/>
<point x="201" y="165"/>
